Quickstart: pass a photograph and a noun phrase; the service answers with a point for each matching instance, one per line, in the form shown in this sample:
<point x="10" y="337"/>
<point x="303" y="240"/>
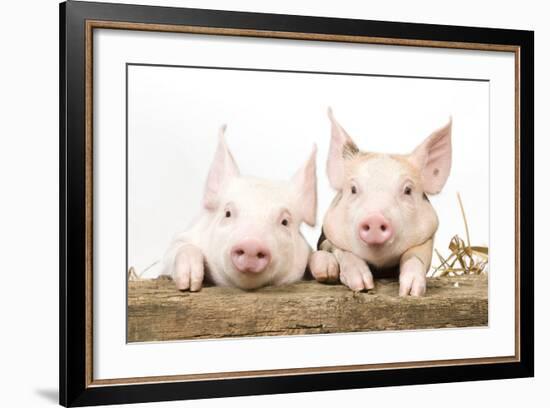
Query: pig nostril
<point x="260" y="255"/>
<point x="366" y="227"/>
<point x="240" y="252"/>
<point x="383" y="228"/>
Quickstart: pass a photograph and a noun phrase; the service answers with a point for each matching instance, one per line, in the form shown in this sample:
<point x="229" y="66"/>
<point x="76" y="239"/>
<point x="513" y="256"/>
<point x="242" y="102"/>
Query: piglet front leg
<point x="331" y="264"/>
<point x="412" y="269"/>
<point x="354" y="271"/>
<point x="324" y="267"/>
<point x="188" y="271"/>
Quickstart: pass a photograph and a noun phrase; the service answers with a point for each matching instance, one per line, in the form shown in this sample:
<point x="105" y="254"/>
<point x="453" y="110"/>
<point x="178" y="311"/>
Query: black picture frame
<point x="75" y="387"/>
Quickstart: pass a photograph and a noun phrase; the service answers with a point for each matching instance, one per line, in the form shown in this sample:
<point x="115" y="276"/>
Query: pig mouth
<point x="252" y="273"/>
<point x="377" y="249"/>
<point x="248" y="278"/>
<point x="374" y="244"/>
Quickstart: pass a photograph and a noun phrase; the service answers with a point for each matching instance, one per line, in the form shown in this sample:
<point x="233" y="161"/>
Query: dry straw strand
<point x="472" y="259"/>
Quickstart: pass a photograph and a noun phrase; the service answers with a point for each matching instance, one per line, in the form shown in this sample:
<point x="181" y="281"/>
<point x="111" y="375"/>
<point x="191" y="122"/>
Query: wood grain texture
<point x="159" y="312"/>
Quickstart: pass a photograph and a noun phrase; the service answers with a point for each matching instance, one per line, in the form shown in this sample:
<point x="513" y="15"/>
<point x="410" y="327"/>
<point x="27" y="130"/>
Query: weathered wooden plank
<point x="158" y="312"/>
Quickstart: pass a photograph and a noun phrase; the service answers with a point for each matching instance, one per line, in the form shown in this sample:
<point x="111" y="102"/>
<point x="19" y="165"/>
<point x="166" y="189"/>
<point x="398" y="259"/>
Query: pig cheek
<point x="282" y="251"/>
<point x="402" y="215"/>
<point x="407" y="224"/>
<point x="355" y="213"/>
<point x="300" y="256"/>
<point x="291" y="251"/>
<point x="222" y="239"/>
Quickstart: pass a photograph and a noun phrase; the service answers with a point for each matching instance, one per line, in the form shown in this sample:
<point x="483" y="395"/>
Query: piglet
<point x="381" y="221"/>
<point x="248" y="232"/>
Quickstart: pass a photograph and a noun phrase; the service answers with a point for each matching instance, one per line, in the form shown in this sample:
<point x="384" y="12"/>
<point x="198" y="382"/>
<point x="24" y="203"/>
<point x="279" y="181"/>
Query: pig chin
<point x="379" y="255"/>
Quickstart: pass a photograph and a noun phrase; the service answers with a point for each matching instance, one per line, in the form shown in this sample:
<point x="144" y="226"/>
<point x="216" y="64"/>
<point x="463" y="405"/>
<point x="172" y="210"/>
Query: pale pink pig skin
<point x="248" y="232"/>
<point x="381" y="215"/>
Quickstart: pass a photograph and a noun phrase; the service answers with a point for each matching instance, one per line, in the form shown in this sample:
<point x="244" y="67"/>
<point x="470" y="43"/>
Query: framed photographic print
<point x="257" y="203"/>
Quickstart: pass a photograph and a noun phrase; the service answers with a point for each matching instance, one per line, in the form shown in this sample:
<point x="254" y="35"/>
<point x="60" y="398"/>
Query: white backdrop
<point x="273" y="120"/>
<point x="29" y="221"/>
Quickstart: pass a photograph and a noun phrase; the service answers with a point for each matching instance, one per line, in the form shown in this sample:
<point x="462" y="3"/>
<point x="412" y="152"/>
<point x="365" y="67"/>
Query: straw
<point x="464" y="259"/>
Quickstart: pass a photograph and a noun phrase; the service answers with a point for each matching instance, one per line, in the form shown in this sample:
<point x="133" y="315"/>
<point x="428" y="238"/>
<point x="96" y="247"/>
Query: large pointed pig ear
<point x="223" y="167"/>
<point x="341" y="148"/>
<point x="433" y="157"/>
<point x="305" y="184"/>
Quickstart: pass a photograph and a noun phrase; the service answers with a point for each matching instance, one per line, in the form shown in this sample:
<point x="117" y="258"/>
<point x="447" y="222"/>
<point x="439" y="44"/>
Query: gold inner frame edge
<point x="92" y="24"/>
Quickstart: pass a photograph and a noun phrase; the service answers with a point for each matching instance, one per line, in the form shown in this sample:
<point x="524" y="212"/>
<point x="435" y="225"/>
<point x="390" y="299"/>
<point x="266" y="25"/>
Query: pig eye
<point x="408" y="190"/>
<point x="353" y="190"/>
<point x="284" y="218"/>
<point x="227" y="214"/>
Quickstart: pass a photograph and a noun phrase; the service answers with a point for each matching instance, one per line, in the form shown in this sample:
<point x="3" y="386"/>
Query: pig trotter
<point x="413" y="267"/>
<point x="324" y="267"/>
<point x="188" y="273"/>
<point x="412" y="277"/>
<point x="354" y="271"/>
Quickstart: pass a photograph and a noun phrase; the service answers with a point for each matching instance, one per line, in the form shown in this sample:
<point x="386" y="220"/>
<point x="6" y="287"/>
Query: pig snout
<point x="375" y="229"/>
<point x="250" y="255"/>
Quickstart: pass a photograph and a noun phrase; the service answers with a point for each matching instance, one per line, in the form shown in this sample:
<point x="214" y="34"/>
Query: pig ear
<point x="433" y="157"/>
<point x="305" y="183"/>
<point x="341" y="148"/>
<point x="223" y="167"/>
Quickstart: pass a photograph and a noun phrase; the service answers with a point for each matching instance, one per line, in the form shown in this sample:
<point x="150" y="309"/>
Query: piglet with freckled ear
<point x="381" y="222"/>
<point x="248" y="232"/>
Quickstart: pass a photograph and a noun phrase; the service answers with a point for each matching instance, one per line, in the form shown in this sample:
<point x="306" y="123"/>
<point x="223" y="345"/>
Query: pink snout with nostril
<point x="250" y="255"/>
<point x="375" y="229"/>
